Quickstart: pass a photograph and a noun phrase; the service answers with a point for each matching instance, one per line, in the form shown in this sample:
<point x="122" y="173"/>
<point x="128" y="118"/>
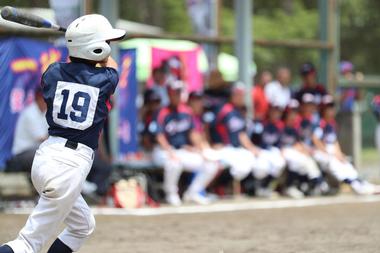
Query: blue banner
<point x="22" y="63"/>
<point x="126" y="101"/>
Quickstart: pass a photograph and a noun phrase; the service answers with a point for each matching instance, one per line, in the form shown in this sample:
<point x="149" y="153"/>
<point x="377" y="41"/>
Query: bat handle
<point x="58" y="28"/>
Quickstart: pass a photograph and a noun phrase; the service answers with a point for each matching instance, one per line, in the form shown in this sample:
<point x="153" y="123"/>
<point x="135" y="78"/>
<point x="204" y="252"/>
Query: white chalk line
<point x="224" y="207"/>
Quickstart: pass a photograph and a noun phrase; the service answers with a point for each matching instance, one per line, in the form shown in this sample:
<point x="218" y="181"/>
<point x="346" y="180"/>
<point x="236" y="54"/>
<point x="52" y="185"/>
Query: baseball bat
<point x="22" y="17"/>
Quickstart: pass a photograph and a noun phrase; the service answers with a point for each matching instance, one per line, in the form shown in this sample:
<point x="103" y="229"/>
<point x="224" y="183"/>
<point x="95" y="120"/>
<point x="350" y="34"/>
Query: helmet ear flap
<point x="98" y="51"/>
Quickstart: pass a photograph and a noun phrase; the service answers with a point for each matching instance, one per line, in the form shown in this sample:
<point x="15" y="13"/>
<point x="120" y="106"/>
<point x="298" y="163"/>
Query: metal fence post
<point x="244" y="47"/>
<point x="110" y="9"/>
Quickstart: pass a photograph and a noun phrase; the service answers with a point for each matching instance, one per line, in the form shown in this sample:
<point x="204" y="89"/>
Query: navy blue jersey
<point x="306" y="129"/>
<point x="77" y="97"/>
<point x="326" y="132"/>
<point x="271" y="134"/>
<point x="228" y="125"/>
<point x="176" y="124"/>
<point x="255" y="130"/>
<point x="289" y="136"/>
<point x="148" y="126"/>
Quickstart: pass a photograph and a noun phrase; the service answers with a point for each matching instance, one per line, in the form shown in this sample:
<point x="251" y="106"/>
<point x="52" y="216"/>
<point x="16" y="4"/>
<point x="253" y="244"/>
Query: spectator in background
<point x="278" y="91"/>
<point x="260" y="102"/>
<point x="31" y="131"/>
<point x="310" y="84"/>
<point x="159" y="84"/>
<point x="350" y="94"/>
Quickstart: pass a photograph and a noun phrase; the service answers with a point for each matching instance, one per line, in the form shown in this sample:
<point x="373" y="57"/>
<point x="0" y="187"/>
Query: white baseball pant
<point x="186" y="161"/>
<point x="58" y="173"/>
<point x="242" y="162"/>
<point x="276" y="160"/>
<point x="341" y="170"/>
<point x="301" y="163"/>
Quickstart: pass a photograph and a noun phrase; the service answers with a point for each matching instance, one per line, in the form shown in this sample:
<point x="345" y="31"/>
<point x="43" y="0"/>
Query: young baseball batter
<point x="76" y="95"/>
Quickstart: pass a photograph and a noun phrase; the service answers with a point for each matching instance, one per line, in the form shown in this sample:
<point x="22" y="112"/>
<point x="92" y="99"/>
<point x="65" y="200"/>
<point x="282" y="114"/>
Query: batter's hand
<point x="109" y="62"/>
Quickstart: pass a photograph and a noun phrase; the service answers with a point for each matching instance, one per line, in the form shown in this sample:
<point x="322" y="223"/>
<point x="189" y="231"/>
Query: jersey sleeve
<point x="113" y="77"/>
<point x="318" y="132"/>
<point x="46" y="74"/>
<point x="159" y="121"/>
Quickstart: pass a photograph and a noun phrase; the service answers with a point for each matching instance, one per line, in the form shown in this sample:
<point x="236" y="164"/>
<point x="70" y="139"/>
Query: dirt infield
<point x="334" y="228"/>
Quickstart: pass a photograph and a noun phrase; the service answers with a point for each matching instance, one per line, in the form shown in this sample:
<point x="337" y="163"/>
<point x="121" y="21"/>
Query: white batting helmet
<point x="87" y="37"/>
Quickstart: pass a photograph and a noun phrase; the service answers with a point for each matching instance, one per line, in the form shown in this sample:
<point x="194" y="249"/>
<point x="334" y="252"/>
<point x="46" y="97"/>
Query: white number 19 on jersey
<point x="74" y="105"/>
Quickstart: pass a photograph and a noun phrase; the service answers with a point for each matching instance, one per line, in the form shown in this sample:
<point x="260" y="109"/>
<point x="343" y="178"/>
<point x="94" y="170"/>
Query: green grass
<point x="370" y="156"/>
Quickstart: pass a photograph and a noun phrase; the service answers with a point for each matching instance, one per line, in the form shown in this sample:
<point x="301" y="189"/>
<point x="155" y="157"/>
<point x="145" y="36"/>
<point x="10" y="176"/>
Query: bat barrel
<point x="15" y="15"/>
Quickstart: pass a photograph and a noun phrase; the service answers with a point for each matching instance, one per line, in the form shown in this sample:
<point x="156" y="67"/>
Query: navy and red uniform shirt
<point x="229" y="123"/>
<point x="271" y="134"/>
<point x="148" y="126"/>
<point x="77" y="97"/>
<point x="318" y="91"/>
<point x="326" y="131"/>
<point x="255" y="130"/>
<point x="306" y="130"/>
<point x="176" y="124"/>
<point x="290" y="136"/>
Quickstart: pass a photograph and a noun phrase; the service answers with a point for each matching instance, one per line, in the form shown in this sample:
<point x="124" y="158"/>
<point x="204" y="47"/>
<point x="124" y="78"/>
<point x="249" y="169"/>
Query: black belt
<point x="71" y="144"/>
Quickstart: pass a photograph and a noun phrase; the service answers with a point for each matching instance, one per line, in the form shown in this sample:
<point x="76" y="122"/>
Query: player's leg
<point x="172" y="172"/>
<point x="80" y="224"/>
<point x="239" y="160"/>
<point x="303" y="165"/>
<point x="345" y="172"/>
<point x="262" y="171"/>
<point x="204" y="170"/>
<point x="57" y="175"/>
<point x="276" y="160"/>
<point x="342" y="170"/>
<point x="323" y="159"/>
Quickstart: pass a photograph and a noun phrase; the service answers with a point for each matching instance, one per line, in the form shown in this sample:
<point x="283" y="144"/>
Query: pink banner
<point x="181" y="65"/>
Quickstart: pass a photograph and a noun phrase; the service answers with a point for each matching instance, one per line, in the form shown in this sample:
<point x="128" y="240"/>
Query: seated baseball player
<point x="76" y="95"/>
<point x="31" y="131"/>
<point x="270" y="141"/>
<point x="176" y="150"/>
<point x="201" y="125"/>
<point x="298" y="158"/>
<point x="229" y="137"/>
<point x="329" y="154"/>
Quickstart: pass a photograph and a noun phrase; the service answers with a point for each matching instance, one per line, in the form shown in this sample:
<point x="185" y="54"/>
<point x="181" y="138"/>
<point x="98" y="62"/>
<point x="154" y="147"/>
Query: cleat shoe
<point x="294" y="193"/>
<point x="196" y="198"/>
<point x="264" y="193"/>
<point x="6" y="249"/>
<point x="173" y="199"/>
